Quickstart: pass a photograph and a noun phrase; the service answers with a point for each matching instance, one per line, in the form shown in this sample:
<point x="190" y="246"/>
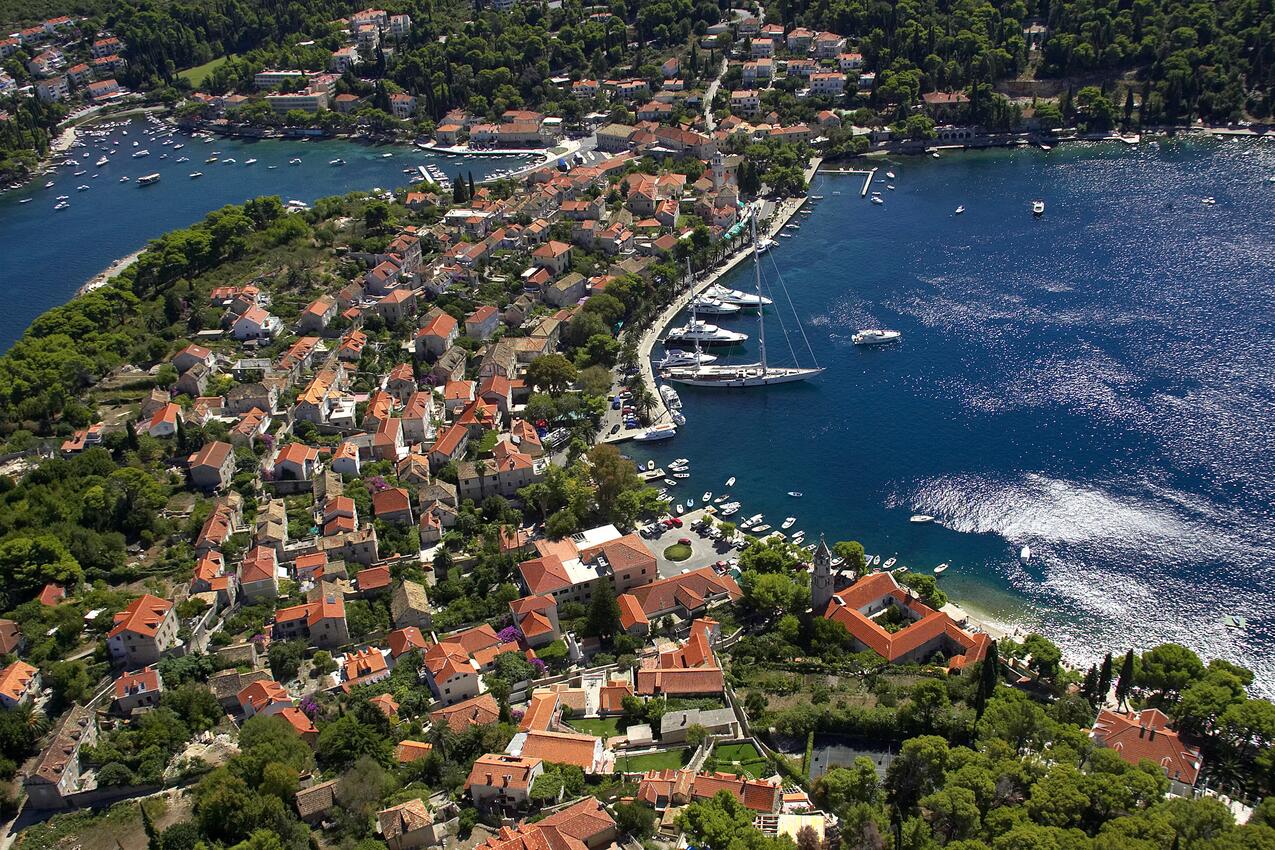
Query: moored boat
<point x="875" y="336"/>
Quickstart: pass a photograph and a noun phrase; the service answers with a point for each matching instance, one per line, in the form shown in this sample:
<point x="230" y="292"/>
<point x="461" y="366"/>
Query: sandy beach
<point x="107" y="274"/>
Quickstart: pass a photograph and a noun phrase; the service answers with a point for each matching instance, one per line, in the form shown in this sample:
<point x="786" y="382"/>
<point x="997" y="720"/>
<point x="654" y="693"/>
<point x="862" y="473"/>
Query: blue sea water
<point x="1098" y="384"/>
<point x="45" y="255"/>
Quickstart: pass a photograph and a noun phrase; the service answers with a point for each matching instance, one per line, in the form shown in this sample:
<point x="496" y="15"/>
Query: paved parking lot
<point x="705" y="551"/>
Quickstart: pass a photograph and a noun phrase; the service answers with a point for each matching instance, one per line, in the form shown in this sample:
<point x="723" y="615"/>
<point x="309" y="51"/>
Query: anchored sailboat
<point x="745" y="374"/>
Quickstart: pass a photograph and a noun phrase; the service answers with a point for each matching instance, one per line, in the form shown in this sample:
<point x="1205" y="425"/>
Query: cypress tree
<point x="1125" y="683"/>
<point x="1104" y="679"/>
<point x="1089" y="689"/>
<point x="132" y="435"/>
<point x="471" y="184"/>
<point x="989" y="675"/>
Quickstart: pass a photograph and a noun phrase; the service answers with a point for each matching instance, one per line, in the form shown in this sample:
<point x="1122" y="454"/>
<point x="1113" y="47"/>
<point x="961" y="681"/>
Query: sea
<point x="47" y="254"/>
<point x="1097" y="384"/>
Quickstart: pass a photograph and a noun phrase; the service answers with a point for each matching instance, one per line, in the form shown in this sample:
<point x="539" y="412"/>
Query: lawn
<point x="198" y="74"/>
<point x="741" y="759"/>
<point x="668" y="760"/>
<point x="677" y="552"/>
<point x="603" y="727"/>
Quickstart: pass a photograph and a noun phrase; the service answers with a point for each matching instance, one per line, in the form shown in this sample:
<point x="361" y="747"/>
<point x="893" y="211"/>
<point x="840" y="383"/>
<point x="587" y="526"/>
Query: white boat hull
<point x="748" y="376"/>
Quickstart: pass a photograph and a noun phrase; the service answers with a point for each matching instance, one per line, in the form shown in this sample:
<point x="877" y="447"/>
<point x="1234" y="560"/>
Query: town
<point x="316" y="528"/>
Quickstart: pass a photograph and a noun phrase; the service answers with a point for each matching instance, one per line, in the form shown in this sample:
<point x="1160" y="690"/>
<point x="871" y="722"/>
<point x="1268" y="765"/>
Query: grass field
<point x="199" y="73"/>
<point x="677" y="552"/>
<point x="668" y="760"/>
<point x="603" y="727"/>
<point x="741" y="759"/>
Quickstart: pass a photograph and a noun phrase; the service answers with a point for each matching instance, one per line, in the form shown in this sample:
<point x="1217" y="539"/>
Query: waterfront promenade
<point x="778" y="218"/>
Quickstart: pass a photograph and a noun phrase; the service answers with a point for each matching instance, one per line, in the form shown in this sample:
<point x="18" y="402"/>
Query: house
<point x="317" y="315"/>
<point x="264" y="697"/>
<point x="449" y="447"/>
<point x="254" y="324"/>
<point x="1146" y="735"/>
<point x="829" y="83"/>
<point x="944" y="105"/>
<point x="675" y="725"/>
<point x="258" y="574"/>
<point x="536" y="618"/>
<point x="829" y="45"/>
<point x="663" y="789"/>
<point x="345" y="460"/>
<point x="411" y="825"/>
<point x="586" y="825"/>
<point x="321" y="620"/>
<point x="500" y="782"/>
<point x="405" y="640"/>
<point x="365" y="666"/>
<point x="554" y="256"/>
<point x="393" y="505"/>
<point x="482" y="323"/>
<point x="689" y="670"/>
<point x="194" y="381"/>
<point x="398" y="306"/>
<point x="566" y="291"/>
<point x="503" y="475"/>
<point x="482" y="710"/>
<point x="296" y="462"/>
<point x="409" y="606"/>
<point x="436" y="335"/>
<point x="213" y="466"/>
<point x="56" y="774"/>
<point x="409" y="751"/>
<point x="165" y="420"/>
<point x="11" y="640"/>
<point x="193" y="355"/>
<point x="611" y="697"/>
<point x="584" y="751"/>
<point x="143" y="631"/>
<point x="372" y="581"/>
<point x="685" y="595"/>
<point x="402" y="105"/>
<point x="138" y="690"/>
<point x="745" y="102"/>
<point x="314" y="803"/>
<point x="567" y="569"/>
<point x="19" y="683"/>
<point x="452" y="674"/>
<point x="301" y="724"/>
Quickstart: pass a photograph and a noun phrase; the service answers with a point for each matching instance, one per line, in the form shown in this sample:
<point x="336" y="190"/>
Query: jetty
<point x="783" y="213"/>
<point x="867" y="182"/>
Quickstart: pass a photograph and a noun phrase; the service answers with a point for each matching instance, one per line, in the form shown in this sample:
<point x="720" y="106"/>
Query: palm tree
<point x="643" y="401"/>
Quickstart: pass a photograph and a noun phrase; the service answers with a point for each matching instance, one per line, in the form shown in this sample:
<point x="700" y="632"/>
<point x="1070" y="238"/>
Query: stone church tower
<point x="821" y="580"/>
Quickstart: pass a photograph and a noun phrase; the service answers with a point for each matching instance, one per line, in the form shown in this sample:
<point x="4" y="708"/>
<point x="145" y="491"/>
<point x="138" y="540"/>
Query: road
<point x="709" y="121"/>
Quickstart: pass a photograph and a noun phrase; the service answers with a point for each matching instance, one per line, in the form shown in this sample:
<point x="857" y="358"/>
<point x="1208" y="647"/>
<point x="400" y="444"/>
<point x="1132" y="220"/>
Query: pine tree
<point x="1125" y="683"/>
<point x="1104" y="679"/>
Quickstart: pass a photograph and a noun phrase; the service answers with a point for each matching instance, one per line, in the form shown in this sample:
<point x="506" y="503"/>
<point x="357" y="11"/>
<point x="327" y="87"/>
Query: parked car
<point x="684" y="541"/>
<point x="677" y="521"/>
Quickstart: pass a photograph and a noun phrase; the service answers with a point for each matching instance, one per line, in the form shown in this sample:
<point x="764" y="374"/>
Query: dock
<point x="867" y="182"/>
<point x="652" y="474"/>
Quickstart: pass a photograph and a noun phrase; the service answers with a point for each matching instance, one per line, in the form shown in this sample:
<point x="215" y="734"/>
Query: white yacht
<point x="139" y="154"/>
<point x="921" y="518"/>
<point x="249" y="161"/>
<point x="670" y="396"/>
<point x="102" y="161"/>
<point x="296" y="160"/>
<point x="872" y="336"/>
<point x="1025" y="554"/>
<point x="714" y="307"/>
<point x="678" y="357"/>
<point x="960" y="209"/>
<point x="788" y="522"/>
<point x="745" y="300"/>
<point x="1038" y="207"/>
<point x="702" y="333"/>
<point x="663" y="431"/>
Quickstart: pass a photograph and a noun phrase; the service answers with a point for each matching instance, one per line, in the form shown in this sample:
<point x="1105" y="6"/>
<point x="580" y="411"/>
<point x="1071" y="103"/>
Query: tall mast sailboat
<point x="757" y="374"/>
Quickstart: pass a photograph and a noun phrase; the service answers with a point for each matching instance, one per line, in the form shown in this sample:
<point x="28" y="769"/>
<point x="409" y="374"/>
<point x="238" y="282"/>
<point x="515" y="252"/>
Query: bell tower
<point x="821" y="581"/>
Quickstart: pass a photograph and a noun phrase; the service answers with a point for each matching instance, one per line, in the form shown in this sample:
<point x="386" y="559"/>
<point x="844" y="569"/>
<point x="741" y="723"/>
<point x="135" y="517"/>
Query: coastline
<point x="107" y="274"/>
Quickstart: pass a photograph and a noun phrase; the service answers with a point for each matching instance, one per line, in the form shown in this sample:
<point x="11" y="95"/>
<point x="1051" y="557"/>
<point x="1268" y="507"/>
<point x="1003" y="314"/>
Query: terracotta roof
<point x="545" y="574"/>
<point x="258" y="565"/>
<point x="261" y="695"/>
<point x="631" y="613"/>
<point x="212" y="454"/>
<point x="561" y="748"/>
<point x="298" y="720"/>
<point x="497" y="770"/>
<point x="693" y="587"/>
<point x="409" y="751"/>
<point x="365" y="663"/>
<point x="677" y="786"/>
<point x="692" y="680"/>
<point x="1138" y="735"/>
<point x="10" y="636"/>
<point x="15" y="679"/>
<point x="611" y="696"/>
<point x="540" y="711"/>
<point x="404" y="819"/>
<point x="144" y="680"/>
<point x="143" y="616"/>
<point x="406" y="640"/>
<point x="393" y="500"/>
<point x="482" y="710"/>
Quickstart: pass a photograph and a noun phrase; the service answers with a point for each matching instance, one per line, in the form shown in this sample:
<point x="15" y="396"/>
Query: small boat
<point x="271" y="167"/>
<point x="921" y="518"/>
<point x="889" y="562"/>
<point x="940" y="569"/>
<point x="760" y="528"/>
<point x="796" y="494"/>
<point x="210" y="159"/>
<point x="249" y="161"/>
<point x="1025" y="554"/>
<point x="877" y="199"/>
<point x="789" y="522"/>
<point x="139" y="154"/>
<point x="147" y="179"/>
<point x="650" y="464"/>
<point x="721" y="499"/>
<point x="876" y="560"/>
<point x="690" y="503"/>
<point x="62" y="198"/>
<point x="670" y="482"/>
<point x="123" y="179"/>
<point x="1038" y="207"/>
<point x="195" y="174"/>
<point x="730" y="482"/>
<point x="102" y="161"/>
<point x="680" y="510"/>
<point x="337" y="161"/>
<point x="230" y="160"/>
<point x="960" y="209"/>
<point x="386" y="155"/>
<point x="296" y="160"/>
<point x="25" y="201"/>
<point x="873" y="336"/>
<point x="182" y="159"/>
<point x="1231" y="622"/>
<point x="80" y="173"/>
<point x="890" y="174"/>
<point x="49" y="185"/>
<point x="898" y="571"/>
<point x="83" y="187"/>
<point x="935" y="154"/>
<point x="706" y="498"/>
<point x="681" y="475"/>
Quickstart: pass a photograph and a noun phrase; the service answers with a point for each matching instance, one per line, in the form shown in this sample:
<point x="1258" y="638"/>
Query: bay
<point x="47" y="254"/>
<point x="1098" y="384"/>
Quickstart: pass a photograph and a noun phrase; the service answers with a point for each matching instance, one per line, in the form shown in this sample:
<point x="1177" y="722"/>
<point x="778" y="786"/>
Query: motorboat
<point x="26" y="200"/>
<point x="677" y="357"/>
<point x="337" y="161"/>
<point x="681" y="475"/>
<point x="655" y="433"/>
<point x="690" y="503"/>
<point x="83" y="187"/>
<point x="890" y="174"/>
<point x="714" y="307"/>
<point x="650" y="465"/>
<point x="679" y="509"/>
<point x="760" y="528"/>
<point x="940" y="569"/>
<point x="935" y="154"/>
<point x="1038" y="207"/>
<point x="766" y="244"/>
<point x="670" y="397"/>
<point x="230" y="160"/>
<point x="877" y="199"/>
<point x="296" y="160"/>
<point x="1025" y="554"/>
<point x="195" y="174"/>
<point x="62" y="198"/>
<point x="49" y="185"/>
<point x="148" y="179"/>
<point x="124" y="179"/>
<point x="721" y="500"/>
<point x="746" y="300"/>
<point x="960" y="209"/>
<point x="889" y="563"/>
<point x="874" y="336"/>
<point x="102" y="161"/>
<point x="789" y="522"/>
<point x="670" y="482"/>
<point x="249" y="161"/>
<point x="921" y="518"/>
<point x="139" y="154"/>
<point x="730" y="482"/>
<point x="182" y="159"/>
<point x="61" y="205"/>
<point x="876" y="560"/>
<point x="210" y="159"/>
<point x="703" y="333"/>
<point x="796" y="494"/>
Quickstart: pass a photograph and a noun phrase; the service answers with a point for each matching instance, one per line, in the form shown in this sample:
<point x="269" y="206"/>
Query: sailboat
<point x="758" y="374"/>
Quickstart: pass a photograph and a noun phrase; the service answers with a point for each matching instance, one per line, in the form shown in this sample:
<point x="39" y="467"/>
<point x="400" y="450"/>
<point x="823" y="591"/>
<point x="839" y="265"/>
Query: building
<point x="662" y="789"/>
<point x="1146" y="735"/>
<point x="138" y="690"/>
<point x="402" y="105"/>
<point x="409" y="606"/>
<point x="675" y="725"/>
<point x="452" y="674"/>
<point x="412" y="824"/>
<point x="264" y="697"/>
<point x="213" y="466"/>
<point x="482" y="710"/>
<point x="259" y="574"/>
<point x="19" y="683"/>
<point x="56" y="775"/>
<point x="502" y="782"/>
<point x="536" y="618"/>
<point x="315" y="802"/>
<point x="436" y="335"/>
<point x="690" y="670"/>
<point x="568" y="569"/>
<point x="320" y="621"/>
<point x="685" y="596"/>
<point x="927" y="633"/>
<point x="143" y="632"/>
<point x="584" y="751"/>
<point x="585" y="825"/>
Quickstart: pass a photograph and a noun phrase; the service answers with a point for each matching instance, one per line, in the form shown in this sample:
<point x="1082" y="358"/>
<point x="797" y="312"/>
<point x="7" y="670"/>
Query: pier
<point x="867" y="182"/>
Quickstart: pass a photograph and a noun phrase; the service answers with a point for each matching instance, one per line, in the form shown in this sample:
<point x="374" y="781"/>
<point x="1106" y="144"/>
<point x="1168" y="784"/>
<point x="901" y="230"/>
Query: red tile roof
<point x="143" y="616"/>
<point x="1138" y="735"/>
<point x="482" y="710"/>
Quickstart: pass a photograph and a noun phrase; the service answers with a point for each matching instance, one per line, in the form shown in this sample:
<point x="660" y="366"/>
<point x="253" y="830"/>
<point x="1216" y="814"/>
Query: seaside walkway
<point x="781" y="216"/>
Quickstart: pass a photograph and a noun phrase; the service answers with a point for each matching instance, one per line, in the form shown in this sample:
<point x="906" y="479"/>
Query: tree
<point x="285" y="659"/>
<point x="1046" y="657"/>
<point x="841" y="787"/>
<point x="1125" y="683"/>
<point x="917" y="771"/>
<point x="603" y="621"/>
<point x="635" y="819"/>
<point x="772" y="594"/>
<point x="27" y="563"/>
<point x="851" y="552"/>
<point x="1014" y="718"/>
<point x="346" y="739"/>
<point x="988" y="678"/>
<point x="927" y="704"/>
<point x="1167" y="669"/>
<point x="952" y="812"/>
<point x="552" y="373"/>
<point x="1104" y="678"/>
<point x="926" y="587"/>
